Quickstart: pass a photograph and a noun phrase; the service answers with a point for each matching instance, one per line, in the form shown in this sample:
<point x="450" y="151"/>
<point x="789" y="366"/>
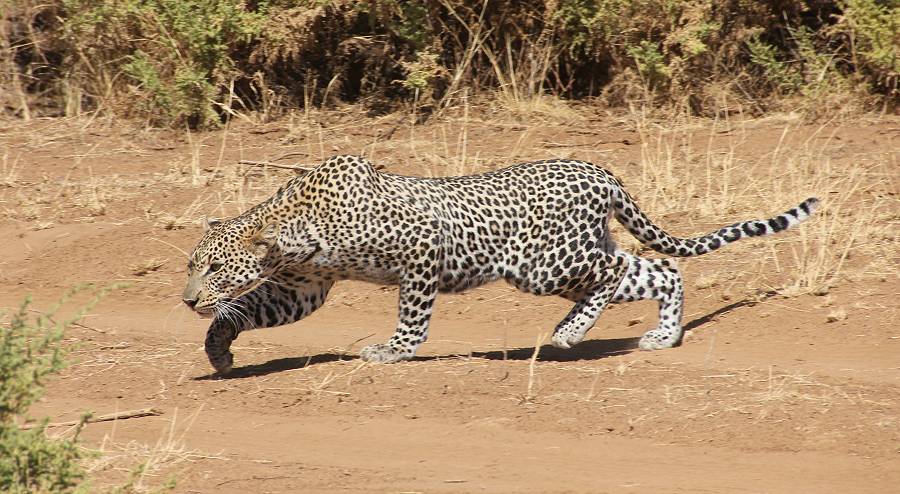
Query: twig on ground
<point x="256" y="478"/>
<point x="348" y="347"/>
<point x="78" y="324"/>
<point x="128" y="414"/>
<point x="296" y="168"/>
<point x="290" y="154"/>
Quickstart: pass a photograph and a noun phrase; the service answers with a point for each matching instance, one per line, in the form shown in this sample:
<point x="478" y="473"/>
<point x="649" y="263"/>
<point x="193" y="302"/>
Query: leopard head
<point x="232" y="258"/>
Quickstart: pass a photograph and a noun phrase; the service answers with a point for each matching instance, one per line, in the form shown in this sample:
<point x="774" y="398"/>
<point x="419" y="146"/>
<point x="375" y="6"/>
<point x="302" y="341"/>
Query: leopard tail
<point x="638" y="224"/>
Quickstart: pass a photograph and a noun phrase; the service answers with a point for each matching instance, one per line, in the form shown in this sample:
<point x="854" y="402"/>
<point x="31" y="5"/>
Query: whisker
<point x="231" y="311"/>
<point x="236" y="311"/>
<point x="169" y="314"/>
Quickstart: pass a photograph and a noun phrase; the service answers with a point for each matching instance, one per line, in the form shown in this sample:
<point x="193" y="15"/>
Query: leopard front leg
<point x="418" y="290"/>
<point x="282" y="299"/>
<point x="218" y="343"/>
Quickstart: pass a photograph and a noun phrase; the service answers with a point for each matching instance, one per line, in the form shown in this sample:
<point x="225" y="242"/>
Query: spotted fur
<point x="541" y="226"/>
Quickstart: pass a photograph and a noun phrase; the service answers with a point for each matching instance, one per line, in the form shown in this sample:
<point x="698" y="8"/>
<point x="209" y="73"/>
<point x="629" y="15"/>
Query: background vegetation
<point x="30" y="461"/>
<point x="177" y="62"/>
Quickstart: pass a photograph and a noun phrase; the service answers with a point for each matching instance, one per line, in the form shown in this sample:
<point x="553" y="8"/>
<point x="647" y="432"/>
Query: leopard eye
<point x="215" y="266"/>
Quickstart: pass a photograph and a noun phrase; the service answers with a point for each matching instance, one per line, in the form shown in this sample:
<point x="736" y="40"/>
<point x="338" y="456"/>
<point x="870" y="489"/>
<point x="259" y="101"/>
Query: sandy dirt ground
<point x="788" y="380"/>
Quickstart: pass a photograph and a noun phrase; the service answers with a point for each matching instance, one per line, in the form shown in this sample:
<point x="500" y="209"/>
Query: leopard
<point x="541" y="226"/>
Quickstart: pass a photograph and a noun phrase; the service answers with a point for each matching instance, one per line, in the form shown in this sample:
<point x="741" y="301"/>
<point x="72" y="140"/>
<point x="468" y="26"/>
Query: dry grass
<point x="9" y="169"/>
<point x="531" y="392"/>
<point x="707" y="172"/>
<point x="135" y="466"/>
<point x="535" y="108"/>
<point x="703" y="169"/>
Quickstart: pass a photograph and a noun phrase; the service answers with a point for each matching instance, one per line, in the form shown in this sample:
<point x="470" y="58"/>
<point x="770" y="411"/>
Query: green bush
<point x="781" y="74"/>
<point x="30" y="352"/>
<point x="176" y="56"/>
<point x="872" y="33"/>
<point x="650" y="64"/>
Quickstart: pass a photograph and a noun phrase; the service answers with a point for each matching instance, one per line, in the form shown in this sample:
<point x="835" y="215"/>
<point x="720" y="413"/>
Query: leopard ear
<point x="265" y="238"/>
<point x="208" y="223"/>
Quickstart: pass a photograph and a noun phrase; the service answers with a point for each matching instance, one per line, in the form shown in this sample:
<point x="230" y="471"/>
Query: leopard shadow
<point x="587" y="350"/>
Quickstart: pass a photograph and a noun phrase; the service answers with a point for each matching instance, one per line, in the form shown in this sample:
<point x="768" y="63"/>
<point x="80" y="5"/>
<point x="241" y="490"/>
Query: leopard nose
<point x="190" y="302"/>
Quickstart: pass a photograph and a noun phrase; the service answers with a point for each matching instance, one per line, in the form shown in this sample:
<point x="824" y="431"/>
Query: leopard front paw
<point x="383" y="354"/>
<point x="566" y="339"/>
<point x="222" y="363"/>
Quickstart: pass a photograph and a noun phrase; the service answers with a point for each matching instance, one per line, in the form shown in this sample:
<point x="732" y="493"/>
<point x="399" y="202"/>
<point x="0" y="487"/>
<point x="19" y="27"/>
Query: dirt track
<point x="770" y="393"/>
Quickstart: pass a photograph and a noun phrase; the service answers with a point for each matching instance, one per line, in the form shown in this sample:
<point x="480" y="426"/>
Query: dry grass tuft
<point x="148" y="266"/>
<point x="530" y="392"/>
<point x="116" y="461"/>
<point x="536" y="108"/>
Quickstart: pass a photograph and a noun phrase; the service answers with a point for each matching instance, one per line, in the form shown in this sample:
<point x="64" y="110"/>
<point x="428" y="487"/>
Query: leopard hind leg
<point x="590" y="302"/>
<point x="660" y="280"/>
